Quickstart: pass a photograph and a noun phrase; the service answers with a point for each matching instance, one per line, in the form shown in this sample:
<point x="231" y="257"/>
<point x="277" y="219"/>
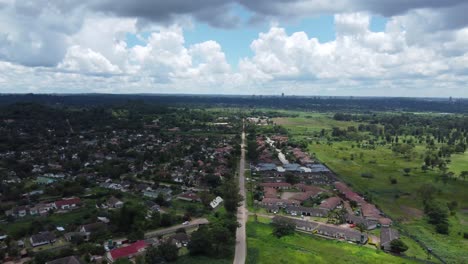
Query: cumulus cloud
<point x="357" y="56"/>
<point x="51" y="46"/>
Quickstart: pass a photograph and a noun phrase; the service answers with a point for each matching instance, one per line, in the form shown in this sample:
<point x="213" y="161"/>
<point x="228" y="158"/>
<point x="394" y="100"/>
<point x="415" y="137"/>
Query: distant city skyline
<point x="300" y="47"/>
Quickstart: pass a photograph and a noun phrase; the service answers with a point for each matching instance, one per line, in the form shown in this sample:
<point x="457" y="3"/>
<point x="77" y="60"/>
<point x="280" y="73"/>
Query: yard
<point x="263" y="247"/>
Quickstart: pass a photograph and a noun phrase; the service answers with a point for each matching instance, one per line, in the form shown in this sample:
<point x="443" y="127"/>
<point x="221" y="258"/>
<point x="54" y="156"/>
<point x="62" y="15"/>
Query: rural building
<point x="42" y="238"/>
<point x="67" y="260"/>
<point x="387" y="235"/>
<point x="129" y="251"/>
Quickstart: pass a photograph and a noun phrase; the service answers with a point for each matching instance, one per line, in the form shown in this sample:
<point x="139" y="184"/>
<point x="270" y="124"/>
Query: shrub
<point x="283" y="227"/>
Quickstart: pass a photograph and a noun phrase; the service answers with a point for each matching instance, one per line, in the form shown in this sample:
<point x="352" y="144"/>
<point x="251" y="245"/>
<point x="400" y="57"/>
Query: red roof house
<point x="67" y="203"/>
<point x="127" y="252"/>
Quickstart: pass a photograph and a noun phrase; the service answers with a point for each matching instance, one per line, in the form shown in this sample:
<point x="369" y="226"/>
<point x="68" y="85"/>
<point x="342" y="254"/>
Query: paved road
<point x="241" y="244"/>
<point x="173" y="229"/>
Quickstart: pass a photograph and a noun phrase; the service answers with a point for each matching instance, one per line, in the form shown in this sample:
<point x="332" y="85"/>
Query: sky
<point x="416" y="48"/>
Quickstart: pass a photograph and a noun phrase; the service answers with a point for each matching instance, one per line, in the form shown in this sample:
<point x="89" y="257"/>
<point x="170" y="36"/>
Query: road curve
<point x="241" y="244"/>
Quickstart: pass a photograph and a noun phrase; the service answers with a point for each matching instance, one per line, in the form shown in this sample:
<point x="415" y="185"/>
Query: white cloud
<point x="66" y="46"/>
<point x="87" y="61"/>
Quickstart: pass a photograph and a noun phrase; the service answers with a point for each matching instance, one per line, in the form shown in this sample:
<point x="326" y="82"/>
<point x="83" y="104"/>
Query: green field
<point x="263" y="247"/>
<point x="201" y="260"/>
<point x="459" y="163"/>
<point x="401" y="200"/>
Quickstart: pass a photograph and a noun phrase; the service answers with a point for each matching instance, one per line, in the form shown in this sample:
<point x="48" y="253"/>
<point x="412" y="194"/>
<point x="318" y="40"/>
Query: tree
<point x="168" y="251"/>
<point x="361" y="227"/>
<point x="283" y="227"/>
<point x="424" y="168"/>
<point x="427" y="192"/>
<point x="367" y="175"/>
<point x="200" y="243"/>
<point x="398" y="246"/>
<point x="153" y="255"/>
<point x="136" y="235"/>
<point x="464" y="174"/>
<point x="407" y="171"/>
<point x="438" y="216"/>
<point x="231" y="196"/>
<point x="291" y="178"/>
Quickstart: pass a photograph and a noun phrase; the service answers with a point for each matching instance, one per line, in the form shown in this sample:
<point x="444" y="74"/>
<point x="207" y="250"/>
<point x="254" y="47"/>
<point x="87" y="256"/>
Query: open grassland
<point x="263" y="247"/>
<point x="310" y="122"/>
<point x="459" y="163"/>
<point x="400" y="200"/>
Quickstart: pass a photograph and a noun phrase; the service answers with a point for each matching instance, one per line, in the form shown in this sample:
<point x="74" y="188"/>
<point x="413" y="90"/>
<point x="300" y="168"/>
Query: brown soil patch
<point x="412" y="213"/>
<point x="287" y="195"/>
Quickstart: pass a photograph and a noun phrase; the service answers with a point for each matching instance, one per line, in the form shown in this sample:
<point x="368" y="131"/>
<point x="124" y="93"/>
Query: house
<point x="293" y="167"/>
<point x="265" y="167"/>
<point x="129" y="251"/>
<point x="341" y="233"/>
<point x="42" y="238"/>
<point x="89" y="229"/>
<point x="67" y="260"/>
<point x="216" y="202"/>
<point x="369" y="211"/>
<point x="385" y="222"/>
<point x="348" y="193"/>
<point x="41" y="208"/>
<point x="20" y="211"/>
<point x="45" y="180"/>
<point x="318" y="168"/>
<point x="303" y="196"/>
<point x="277" y="185"/>
<point x="279" y="202"/>
<point x="354" y="219"/>
<point x="114" y="202"/>
<point x="67" y="203"/>
<point x="300" y="224"/>
<point x="387" y="235"/>
<point x="179" y="239"/>
<point x="330" y="203"/>
<point x="272" y="208"/>
<point x="308" y="211"/>
<point x="189" y="197"/>
<point x="152" y="207"/>
<point x="70" y="236"/>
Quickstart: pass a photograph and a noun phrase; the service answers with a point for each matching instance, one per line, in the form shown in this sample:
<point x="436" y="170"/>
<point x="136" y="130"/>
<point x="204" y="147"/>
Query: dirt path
<point x="241" y="244"/>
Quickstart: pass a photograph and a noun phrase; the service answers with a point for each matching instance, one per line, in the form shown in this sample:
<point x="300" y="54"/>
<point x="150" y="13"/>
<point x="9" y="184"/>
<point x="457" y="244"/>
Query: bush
<point x="367" y="175"/>
<point x="398" y="246"/>
<point x="442" y="228"/>
<point x="283" y="227"/>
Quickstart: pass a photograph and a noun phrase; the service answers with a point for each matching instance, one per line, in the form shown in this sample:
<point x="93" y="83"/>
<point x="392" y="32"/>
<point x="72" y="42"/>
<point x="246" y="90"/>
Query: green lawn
<point x="201" y="260"/>
<point x="459" y="163"/>
<point x="263" y="247"/>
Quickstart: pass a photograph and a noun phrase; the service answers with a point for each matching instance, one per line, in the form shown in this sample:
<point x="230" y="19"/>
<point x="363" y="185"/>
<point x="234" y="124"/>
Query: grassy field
<point x="399" y="200"/>
<point x="263" y="247"/>
<point x="201" y="260"/>
<point x="459" y="163"/>
<point x="311" y="122"/>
